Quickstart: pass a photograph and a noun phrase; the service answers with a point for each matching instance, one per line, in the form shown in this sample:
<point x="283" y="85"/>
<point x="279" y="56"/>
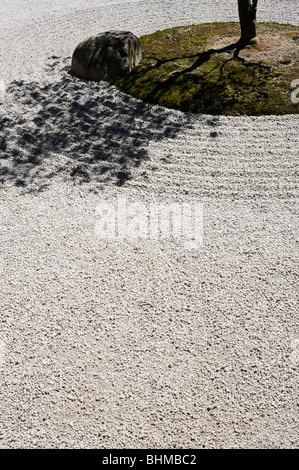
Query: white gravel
<point x="137" y="342"/>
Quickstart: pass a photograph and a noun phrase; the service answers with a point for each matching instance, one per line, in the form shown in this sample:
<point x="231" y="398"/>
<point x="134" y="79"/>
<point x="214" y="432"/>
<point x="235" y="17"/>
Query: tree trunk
<point x="247" y="14"/>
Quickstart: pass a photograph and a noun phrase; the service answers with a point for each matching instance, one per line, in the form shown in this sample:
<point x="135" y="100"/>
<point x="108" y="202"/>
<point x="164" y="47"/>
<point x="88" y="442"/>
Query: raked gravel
<point x="140" y="342"/>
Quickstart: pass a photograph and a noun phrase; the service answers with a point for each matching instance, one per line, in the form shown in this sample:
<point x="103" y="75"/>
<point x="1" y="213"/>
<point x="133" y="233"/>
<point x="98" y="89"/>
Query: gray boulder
<point x="106" y="55"/>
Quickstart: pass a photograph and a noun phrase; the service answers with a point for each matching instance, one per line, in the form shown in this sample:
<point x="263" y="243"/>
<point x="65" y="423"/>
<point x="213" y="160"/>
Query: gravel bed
<point x="113" y="332"/>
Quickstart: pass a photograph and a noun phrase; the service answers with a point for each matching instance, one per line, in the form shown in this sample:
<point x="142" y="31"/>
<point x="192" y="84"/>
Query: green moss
<point x="176" y="73"/>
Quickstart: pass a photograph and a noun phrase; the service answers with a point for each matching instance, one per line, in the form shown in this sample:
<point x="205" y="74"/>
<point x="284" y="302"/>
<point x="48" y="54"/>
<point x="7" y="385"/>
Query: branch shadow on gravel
<point x="83" y="132"/>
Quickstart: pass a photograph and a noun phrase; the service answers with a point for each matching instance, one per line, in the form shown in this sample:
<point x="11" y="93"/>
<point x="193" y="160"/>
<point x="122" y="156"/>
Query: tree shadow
<point x="210" y="91"/>
<point x="83" y="132"/>
<point x="202" y="58"/>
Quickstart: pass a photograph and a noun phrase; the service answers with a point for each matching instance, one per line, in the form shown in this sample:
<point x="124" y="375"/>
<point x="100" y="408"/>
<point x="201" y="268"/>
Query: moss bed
<point x="177" y="73"/>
